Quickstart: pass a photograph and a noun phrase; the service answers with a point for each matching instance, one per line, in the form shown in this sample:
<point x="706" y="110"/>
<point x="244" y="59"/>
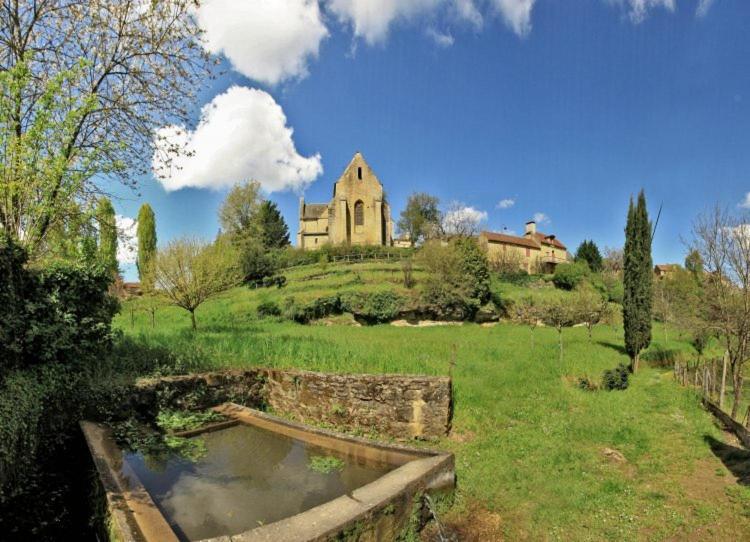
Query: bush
<point x="277" y="280"/>
<point x="616" y="379"/>
<point x="569" y="275"/>
<point x="61" y="313"/>
<point x="268" y="308"/>
<point x="373" y="308"/>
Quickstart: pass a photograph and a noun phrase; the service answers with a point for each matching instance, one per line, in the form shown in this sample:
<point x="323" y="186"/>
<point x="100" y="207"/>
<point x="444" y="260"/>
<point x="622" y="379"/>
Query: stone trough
<point x="164" y="504"/>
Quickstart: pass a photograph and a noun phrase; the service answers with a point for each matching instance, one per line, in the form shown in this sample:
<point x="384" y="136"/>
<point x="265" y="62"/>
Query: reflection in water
<point x="249" y="477"/>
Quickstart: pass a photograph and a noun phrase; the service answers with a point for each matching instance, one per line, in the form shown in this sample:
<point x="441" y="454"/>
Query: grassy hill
<point x="536" y="457"/>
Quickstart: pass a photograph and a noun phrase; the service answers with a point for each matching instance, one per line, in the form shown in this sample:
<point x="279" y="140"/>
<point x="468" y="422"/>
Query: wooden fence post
<point x="723" y="380"/>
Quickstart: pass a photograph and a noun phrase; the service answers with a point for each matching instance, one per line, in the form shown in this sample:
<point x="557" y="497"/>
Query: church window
<point x="359" y="214"/>
<point x="359" y="173"/>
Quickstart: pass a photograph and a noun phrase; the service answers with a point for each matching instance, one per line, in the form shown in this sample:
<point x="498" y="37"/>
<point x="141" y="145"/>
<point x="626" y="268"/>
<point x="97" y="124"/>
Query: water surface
<point x="249" y="477"/>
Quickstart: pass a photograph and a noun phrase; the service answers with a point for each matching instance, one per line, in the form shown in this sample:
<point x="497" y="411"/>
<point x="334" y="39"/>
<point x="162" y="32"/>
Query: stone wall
<point x="400" y="406"/>
<point x="397" y="405"/>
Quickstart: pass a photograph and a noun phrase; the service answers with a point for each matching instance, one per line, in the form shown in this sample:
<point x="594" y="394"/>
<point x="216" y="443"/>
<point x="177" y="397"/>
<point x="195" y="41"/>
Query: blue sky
<point x="565" y="108"/>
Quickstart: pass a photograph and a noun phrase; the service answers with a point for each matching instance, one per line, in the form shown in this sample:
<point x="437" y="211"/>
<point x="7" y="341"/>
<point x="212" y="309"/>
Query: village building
<point x="358" y="213"/>
<point x="665" y="270"/>
<point x="534" y="252"/>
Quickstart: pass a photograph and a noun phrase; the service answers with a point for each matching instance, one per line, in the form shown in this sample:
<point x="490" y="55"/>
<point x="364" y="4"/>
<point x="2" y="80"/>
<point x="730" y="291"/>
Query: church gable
<point x="357" y="214"/>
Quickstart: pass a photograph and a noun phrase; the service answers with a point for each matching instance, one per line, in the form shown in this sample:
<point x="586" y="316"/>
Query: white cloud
<point x="440" y="39"/>
<point x="462" y="220"/>
<point x="745" y="203"/>
<point x="371" y="19"/>
<point x="540" y="218"/>
<point x="638" y="9"/>
<point x="467" y="11"/>
<point x="703" y="7"/>
<point x="127" y="241"/>
<point x="516" y="13"/>
<point x="506" y="203"/>
<point x="242" y="135"/>
<point x="265" y="40"/>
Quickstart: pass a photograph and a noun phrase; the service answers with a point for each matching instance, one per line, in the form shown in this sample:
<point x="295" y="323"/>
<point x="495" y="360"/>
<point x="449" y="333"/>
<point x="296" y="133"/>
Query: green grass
<point x="528" y="443"/>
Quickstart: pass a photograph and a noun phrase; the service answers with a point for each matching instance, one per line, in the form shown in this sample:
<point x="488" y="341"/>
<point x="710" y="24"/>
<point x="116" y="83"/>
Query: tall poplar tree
<point x="105" y="218"/>
<point x="638" y="281"/>
<point x="146" y="233"/>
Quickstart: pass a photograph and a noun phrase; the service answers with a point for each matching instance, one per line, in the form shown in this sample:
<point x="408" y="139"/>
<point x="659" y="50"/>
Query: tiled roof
<point x="315" y="210"/>
<point x="545" y="239"/>
<point x="666" y="267"/>
<point x="510" y="239"/>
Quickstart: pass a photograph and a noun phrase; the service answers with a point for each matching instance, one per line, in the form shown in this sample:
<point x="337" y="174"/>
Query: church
<point x="357" y="215"/>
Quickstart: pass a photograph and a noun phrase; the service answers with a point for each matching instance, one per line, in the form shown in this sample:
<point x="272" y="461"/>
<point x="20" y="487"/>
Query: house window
<point x="359" y="173"/>
<point x="528" y="252"/>
<point x="359" y="214"/>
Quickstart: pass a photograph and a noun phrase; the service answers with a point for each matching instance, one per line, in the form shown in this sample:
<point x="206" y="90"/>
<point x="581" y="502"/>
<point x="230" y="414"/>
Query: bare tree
<point x="559" y="313"/>
<point x="723" y="242"/>
<point x="188" y="272"/>
<point x="461" y="221"/>
<point x="529" y="313"/>
<point x="87" y="84"/>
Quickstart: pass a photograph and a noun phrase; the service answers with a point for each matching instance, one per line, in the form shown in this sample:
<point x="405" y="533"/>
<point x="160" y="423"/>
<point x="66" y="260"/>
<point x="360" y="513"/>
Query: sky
<point x="517" y="109"/>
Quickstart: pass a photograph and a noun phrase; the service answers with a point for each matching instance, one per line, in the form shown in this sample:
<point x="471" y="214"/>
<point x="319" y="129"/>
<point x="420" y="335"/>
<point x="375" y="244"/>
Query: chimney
<point x="301" y="206"/>
<point x="530" y="228"/>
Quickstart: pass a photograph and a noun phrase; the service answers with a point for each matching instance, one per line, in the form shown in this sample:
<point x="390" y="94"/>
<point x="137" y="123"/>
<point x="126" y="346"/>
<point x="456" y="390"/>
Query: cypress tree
<point x="105" y="217"/>
<point x="146" y="233"/>
<point x="638" y="279"/>
<point x="273" y="229"/>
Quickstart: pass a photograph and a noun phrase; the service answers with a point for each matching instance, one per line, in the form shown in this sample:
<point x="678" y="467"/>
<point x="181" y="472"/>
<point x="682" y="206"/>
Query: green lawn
<point x="529" y="444"/>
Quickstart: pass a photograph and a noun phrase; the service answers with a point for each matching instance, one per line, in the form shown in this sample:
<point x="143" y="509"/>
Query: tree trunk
<point x="634" y="363"/>
<point x="723" y="380"/>
<point x="737" y="383"/>
<point x="192" y="319"/>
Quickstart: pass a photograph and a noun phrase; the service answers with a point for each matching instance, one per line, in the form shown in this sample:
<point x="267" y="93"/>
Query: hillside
<point x="535" y="455"/>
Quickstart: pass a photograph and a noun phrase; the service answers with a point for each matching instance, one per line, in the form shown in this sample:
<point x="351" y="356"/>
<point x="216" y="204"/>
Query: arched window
<point x="359" y="214"/>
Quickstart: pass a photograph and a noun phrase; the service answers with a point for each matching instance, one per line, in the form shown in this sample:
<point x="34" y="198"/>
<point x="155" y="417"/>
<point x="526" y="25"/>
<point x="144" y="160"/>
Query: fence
<point x="711" y="377"/>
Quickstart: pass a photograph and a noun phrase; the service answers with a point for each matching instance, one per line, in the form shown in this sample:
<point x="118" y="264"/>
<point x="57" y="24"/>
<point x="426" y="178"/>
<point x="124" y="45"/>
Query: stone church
<point x="357" y="215"/>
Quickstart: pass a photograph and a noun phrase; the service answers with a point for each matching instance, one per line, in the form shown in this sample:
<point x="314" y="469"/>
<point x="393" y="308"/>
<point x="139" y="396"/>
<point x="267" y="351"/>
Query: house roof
<point x="510" y="239"/>
<point x="666" y="267"/>
<point x="545" y="239"/>
<point x="315" y="210"/>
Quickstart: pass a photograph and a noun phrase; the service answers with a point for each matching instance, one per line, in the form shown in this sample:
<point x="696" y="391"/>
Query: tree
<point x="723" y="242"/>
<point x="589" y="306"/>
<point x="273" y="230"/>
<point x="559" y="313"/>
<point x="460" y="221"/>
<point x="421" y="218"/>
<point x="569" y="275"/>
<point x="105" y="218"/>
<point x="188" y="272"/>
<point x="529" y="313"/>
<point x="694" y="263"/>
<point x="238" y="215"/>
<point x="84" y="86"/>
<point x="588" y="252"/>
<point x="146" y="234"/>
<point x="613" y="261"/>
<point x="638" y="279"/>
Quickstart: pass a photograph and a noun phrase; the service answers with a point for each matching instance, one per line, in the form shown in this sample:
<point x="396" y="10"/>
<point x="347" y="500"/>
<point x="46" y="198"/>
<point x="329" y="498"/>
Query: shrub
<point x="373" y="308"/>
<point x="585" y="383"/>
<point x="569" y="275"/>
<point x="660" y="356"/>
<point x="268" y="308"/>
<point x="61" y="313"/>
<point x="616" y="379"/>
<point x="277" y="280"/>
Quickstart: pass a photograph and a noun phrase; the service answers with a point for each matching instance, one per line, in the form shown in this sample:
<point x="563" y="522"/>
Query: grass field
<point x="531" y="448"/>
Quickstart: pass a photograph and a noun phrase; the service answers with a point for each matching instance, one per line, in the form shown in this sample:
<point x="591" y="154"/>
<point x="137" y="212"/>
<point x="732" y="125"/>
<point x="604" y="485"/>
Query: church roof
<point x="315" y="210"/>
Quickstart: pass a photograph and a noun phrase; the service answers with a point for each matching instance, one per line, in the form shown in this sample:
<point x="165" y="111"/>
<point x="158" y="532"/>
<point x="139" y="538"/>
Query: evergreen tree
<point x="638" y="281"/>
<point x="105" y="218"/>
<point x="146" y="233"/>
<point x="273" y="230"/>
<point x="588" y="252"/>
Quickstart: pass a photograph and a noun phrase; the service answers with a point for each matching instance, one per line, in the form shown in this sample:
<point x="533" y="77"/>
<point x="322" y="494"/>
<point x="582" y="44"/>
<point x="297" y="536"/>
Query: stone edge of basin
<point x="137" y="519"/>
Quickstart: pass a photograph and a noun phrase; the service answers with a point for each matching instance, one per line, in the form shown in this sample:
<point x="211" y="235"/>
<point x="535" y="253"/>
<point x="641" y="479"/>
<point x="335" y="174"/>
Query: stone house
<point x="358" y="213"/>
<point x="665" y="270"/>
<point x="534" y="252"/>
